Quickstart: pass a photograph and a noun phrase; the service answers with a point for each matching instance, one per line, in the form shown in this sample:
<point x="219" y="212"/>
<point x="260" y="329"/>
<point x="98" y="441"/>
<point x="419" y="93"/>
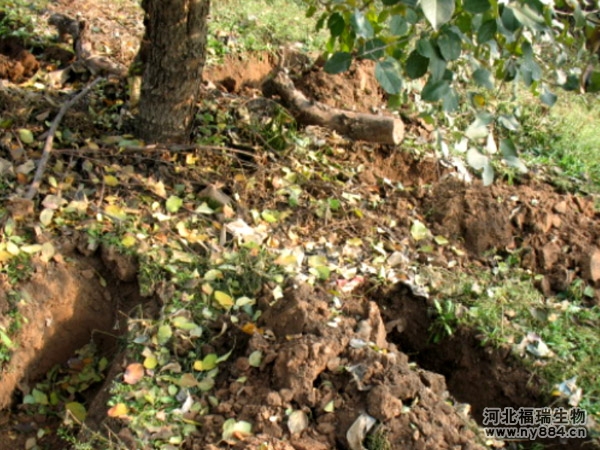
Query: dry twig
<point x="50" y="138"/>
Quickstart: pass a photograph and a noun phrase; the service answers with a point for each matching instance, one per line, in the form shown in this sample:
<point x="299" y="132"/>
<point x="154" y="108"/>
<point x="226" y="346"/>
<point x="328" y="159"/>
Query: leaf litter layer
<point x="232" y="234"/>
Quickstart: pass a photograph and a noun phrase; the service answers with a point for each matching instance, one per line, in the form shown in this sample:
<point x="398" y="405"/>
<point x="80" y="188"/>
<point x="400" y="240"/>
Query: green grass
<point x="239" y="26"/>
<point x="504" y="306"/>
<point x="565" y="139"/>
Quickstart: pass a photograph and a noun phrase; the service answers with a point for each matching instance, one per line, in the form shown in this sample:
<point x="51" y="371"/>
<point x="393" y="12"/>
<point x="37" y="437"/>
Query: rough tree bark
<point x="174" y="51"/>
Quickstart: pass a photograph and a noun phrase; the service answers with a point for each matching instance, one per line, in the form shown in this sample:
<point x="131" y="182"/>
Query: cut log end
<point x="357" y="126"/>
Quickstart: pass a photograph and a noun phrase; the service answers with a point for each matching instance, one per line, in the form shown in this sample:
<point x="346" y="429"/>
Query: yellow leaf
<point x="223" y="299"/>
<point x="198" y="365"/>
<point x="128" y="241"/>
<point x="48" y="251"/>
<point x="286" y="260"/>
<point x="249" y="328"/>
<point x="115" y="212"/>
<point x="31" y="249"/>
<point x="12" y="248"/>
<point x="111" y="180"/>
<point x="119" y="410"/>
<point x="478" y="100"/>
<point x="5" y="256"/>
<point x="150" y="362"/>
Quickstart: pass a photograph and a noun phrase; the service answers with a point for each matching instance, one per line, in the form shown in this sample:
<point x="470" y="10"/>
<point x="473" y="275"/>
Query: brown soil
<point x="317" y="356"/>
<point x="66" y="304"/>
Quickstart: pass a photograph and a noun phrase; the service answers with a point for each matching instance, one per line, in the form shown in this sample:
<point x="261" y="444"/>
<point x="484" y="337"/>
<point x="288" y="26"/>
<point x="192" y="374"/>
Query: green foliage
<point x="445" y="320"/>
<point x="447" y="51"/>
<point x="19" y="18"/>
<point x="507" y="310"/>
<point x="238" y="26"/>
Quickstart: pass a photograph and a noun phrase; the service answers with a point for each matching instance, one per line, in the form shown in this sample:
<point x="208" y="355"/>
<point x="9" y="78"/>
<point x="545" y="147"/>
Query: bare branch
<point x="50" y="138"/>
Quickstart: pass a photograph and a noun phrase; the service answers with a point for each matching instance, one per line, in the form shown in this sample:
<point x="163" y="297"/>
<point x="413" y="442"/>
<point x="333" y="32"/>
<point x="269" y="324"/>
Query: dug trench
<point x="72" y="313"/>
<point x="476" y="375"/>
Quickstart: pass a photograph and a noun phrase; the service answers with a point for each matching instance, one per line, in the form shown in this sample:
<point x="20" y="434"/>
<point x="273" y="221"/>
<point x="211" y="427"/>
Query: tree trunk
<point x="173" y="51"/>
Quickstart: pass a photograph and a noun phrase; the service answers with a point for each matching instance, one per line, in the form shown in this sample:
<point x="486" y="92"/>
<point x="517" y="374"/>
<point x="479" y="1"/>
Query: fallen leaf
<point x="173" y="204"/>
<point x="77" y="410"/>
<point x="224" y="299"/>
<point x="134" y="373"/>
<point x="111" y="180"/>
<point x="119" y="410"/>
<point x="26" y="136"/>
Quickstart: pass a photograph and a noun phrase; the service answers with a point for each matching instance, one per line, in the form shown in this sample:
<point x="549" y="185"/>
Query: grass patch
<point x="239" y="26"/>
<point x="508" y="310"/>
<point x="566" y="140"/>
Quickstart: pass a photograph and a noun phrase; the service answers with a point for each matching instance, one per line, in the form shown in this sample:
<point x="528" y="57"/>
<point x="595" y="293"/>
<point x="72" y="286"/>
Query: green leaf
<point x="488" y="174"/>
<point x="477" y="6"/>
<point x="209" y="362"/>
<point x="40" y="397"/>
<point x="487" y="31"/>
<point x="476" y="159"/>
<point x="362" y="27"/>
<point x="479" y="161"/>
<point x="435" y="90"/>
<point x="164" y="334"/>
<point x="336" y="24"/>
<point x="509" y="154"/>
<point x="426" y="48"/>
<point x="509" y="122"/>
<point x="398" y="25"/>
<point x="416" y="65"/>
<point x="437" y="69"/>
<point x="437" y="12"/>
<point x="419" y="231"/>
<point x="528" y="17"/>
<point x="509" y="20"/>
<point x="173" y="204"/>
<point x="338" y="63"/>
<point x="450" y="45"/>
<point x="548" y="97"/>
<point x="451" y="101"/>
<point x="373" y="49"/>
<point x="387" y="74"/>
<point x="269" y="216"/>
<point x="592" y="84"/>
<point x="322" y="272"/>
<point x="5" y="339"/>
<point x="77" y="410"/>
<point x="390" y="2"/>
<point x="206" y="384"/>
<point x="478" y="129"/>
<point x="26" y="136"/>
<point x="483" y="77"/>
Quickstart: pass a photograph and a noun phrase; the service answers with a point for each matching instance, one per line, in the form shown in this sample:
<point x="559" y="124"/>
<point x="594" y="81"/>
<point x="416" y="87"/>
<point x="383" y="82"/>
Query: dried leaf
<point x="119" y="410"/>
<point x="46" y="217"/>
<point x="255" y="358"/>
<point x="134" y="373"/>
